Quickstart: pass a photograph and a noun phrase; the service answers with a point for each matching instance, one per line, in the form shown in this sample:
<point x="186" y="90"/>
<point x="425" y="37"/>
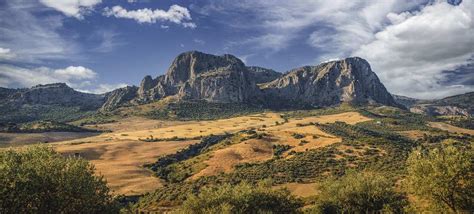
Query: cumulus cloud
<point x="73" y="8"/>
<point x="175" y="14"/>
<point x="419" y="52"/>
<point x="75" y="76"/>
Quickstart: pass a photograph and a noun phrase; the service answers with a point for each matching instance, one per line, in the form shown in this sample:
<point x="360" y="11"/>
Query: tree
<point x="444" y="176"/>
<point x="241" y="198"/>
<point x="39" y="180"/>
<point x="363" y="192"/>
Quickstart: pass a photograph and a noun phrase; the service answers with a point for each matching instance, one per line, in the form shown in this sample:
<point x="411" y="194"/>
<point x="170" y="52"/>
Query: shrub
<point x="39" y="180"/>
<point x="242" y="198"/>
<point x="444" y="176"/>
<point x="363" y="192"/>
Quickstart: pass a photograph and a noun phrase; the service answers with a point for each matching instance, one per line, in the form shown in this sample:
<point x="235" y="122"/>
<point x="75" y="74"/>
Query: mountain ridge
<point x="195" y="75"/>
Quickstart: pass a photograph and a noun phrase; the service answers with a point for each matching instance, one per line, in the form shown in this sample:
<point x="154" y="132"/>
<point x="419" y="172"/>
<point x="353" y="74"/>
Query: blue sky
<point x="418" y="48"/>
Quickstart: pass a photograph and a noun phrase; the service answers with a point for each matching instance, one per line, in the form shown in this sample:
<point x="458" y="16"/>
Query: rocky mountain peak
<point x="189" y="65"/>
<point x="348" y="80"/>
<point x="199" y="76"/>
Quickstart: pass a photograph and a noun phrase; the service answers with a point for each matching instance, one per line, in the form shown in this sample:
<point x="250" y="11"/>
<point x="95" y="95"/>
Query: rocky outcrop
<point x="225" y="79"/>
<point x="350" y="80"/>
<point x="119" y="97"/>
<point x="196" y="75"/>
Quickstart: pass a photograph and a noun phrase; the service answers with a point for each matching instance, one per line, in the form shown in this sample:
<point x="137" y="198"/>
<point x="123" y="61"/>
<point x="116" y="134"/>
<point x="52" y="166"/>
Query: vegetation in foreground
<point x="373" y="169"/>
<point x="363" y="192"/>
<point x="39" y="180"/>
<point x="444" y="176"/>
<point x="241" y="198"/>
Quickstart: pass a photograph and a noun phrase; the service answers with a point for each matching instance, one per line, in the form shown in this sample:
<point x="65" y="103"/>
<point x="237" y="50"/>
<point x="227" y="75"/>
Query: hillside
<point x="457" y="105"/>
<point x="56" y="102"/>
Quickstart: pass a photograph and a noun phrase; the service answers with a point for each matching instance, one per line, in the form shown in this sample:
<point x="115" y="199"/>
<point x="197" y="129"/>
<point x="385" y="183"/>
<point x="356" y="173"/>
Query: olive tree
<point x="39" y="180"/>
<point x="444" y="176"/>
<point x="241" y="198"/>
<point x="358" y="192"/>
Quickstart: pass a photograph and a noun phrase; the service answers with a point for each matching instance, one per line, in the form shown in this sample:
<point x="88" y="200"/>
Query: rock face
<point x="196" y="75"/>
<point x="349" y="80"/>
<point x="225" y="79"/>
<point x="119" y="97"/>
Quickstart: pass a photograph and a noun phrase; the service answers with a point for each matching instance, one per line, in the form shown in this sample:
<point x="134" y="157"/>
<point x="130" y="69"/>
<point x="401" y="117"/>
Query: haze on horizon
<point x="418" y="48"/>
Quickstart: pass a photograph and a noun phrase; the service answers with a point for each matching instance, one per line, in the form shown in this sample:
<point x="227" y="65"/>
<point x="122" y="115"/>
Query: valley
<point x="212" y="122"/>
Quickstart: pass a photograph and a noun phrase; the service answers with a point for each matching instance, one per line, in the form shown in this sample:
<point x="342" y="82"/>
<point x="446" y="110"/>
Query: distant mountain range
<point x="226" y="79"/>
<point x="462" y="104"/>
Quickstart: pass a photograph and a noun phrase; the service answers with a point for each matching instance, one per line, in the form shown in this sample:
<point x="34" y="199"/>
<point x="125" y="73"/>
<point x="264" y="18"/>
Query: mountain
<point x="200" y="76"/>
<point x="349" y="80"/>
<point x="225" y="79"/>
<point x="462" y="104"/>
<point x="197" y="76"/>
<point x="50" y="94"/>
<point x="51" y="101"/>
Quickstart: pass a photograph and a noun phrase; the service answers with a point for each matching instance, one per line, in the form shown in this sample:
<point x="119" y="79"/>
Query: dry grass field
<point x="119" y="155"/>
<point x="191" y="129"/>
<point x="121" y="161"/>
<point x="225" y="159"/>
<point x="256" y="150"/>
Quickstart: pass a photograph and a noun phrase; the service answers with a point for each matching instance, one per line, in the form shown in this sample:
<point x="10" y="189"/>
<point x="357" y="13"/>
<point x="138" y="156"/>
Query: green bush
<point x="39" y="180"/>
<point x="363" y="192"/>
<point x="242" y="198"/>
<point x="444" y="176"/>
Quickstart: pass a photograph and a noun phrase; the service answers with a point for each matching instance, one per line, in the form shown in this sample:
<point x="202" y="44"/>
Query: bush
<point x="242" y="198"/>
<point x="39" y="180"/>
<point x="363" y="192"/>
<point x="444" y="176"/>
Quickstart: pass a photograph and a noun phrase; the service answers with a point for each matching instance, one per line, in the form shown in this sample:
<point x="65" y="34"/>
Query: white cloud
<point x="73" y="8"/>
<point x="414" y="53"/>
<point x="6" y="54"/>
<point x="33" y="39"/>
<point x="103" y="88"/>
<point x="75" y="76"/>
<point x="338" y="26"/>
<point x="75" y="73"/>
<point x="175" y="14"/>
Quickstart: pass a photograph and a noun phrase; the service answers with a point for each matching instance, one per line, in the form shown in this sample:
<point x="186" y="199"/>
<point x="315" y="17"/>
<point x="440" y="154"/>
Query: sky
<point x="418" y="48"/>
